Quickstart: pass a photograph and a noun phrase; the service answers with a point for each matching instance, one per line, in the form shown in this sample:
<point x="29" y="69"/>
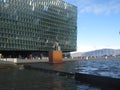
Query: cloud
<point x="92" y="6"/>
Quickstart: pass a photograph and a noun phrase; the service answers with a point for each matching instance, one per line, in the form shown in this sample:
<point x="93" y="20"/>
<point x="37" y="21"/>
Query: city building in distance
<point x="34" y="26"/>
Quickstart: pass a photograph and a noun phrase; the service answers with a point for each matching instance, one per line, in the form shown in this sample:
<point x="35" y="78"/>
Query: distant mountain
<point x="99" y="52"/>
<point x="102" y="52"/>
<point x="77" y="54"/>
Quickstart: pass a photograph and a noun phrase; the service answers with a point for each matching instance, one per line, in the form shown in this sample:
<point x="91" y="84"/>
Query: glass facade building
<point x="35" y="25"/>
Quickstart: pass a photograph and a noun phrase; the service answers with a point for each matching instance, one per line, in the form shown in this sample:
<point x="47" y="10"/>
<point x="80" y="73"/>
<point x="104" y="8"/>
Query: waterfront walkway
<point x="105" y="71"/>
<point x="28" y="61"/>
<point x="45" y="59"/>
<point x="101" y="73"/>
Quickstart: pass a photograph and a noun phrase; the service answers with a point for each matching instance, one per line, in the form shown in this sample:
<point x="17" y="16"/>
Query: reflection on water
<point x="36" y="80"/>
<point x="31" y="80"/>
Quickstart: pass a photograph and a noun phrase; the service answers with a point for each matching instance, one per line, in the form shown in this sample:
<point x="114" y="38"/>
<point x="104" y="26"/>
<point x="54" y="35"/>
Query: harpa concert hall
<point x="34" y="26"/>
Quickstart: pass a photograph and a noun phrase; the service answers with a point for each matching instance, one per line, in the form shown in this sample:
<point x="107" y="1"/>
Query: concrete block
<point x="55" y="56"/>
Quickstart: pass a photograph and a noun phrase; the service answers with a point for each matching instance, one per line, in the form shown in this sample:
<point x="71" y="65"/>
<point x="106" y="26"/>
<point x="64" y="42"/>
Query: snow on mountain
<point x="99" y="52"/>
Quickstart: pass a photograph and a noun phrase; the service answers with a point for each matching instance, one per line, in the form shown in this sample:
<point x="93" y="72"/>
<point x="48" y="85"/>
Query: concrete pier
<point x="100" y="81"/>
<point x="72" y="69"/>
<point x="7" y="66"/>
<point x="103" y="82"/>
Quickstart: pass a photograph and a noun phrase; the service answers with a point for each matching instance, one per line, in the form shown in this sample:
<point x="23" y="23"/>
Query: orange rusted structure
<point x="55" y="56"/>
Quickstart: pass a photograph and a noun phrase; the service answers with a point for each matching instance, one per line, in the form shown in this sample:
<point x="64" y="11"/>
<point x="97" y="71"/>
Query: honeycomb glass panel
<point x="37" y="25"/>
